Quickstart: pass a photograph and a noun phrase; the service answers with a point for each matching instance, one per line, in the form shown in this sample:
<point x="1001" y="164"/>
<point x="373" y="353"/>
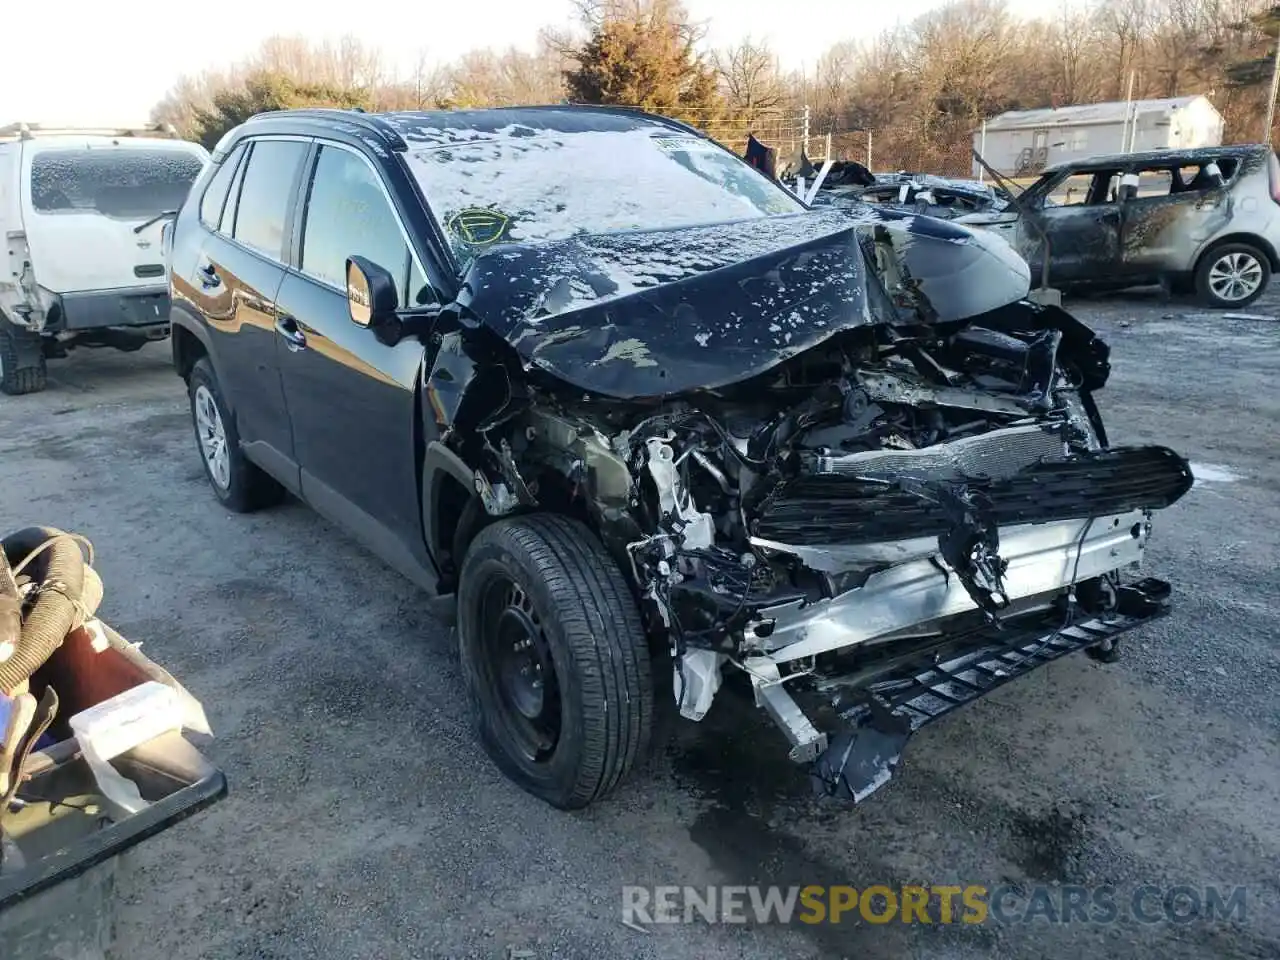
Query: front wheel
<point x="1232" y="275"/>
<point x="555" y="658"/>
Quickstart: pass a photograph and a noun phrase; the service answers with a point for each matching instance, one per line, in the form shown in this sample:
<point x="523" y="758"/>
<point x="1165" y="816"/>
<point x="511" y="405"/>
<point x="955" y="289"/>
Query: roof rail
<point x="369" y="122"/>
<point x="629" y="109"/>
<point x="29" y="131"/>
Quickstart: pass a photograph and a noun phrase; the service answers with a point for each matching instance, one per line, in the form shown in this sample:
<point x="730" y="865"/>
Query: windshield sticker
<point x="479" y="226"/>
<point x="686" y="145"/>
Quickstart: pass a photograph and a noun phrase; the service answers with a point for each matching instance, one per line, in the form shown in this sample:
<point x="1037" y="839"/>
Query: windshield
<point x="124" y="184"/>
<point x="549" y="185"/>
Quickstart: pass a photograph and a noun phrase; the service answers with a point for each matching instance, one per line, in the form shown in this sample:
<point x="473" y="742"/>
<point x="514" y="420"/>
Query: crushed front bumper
<point x="1041" y="558"/>
<point x="877" y="714"/>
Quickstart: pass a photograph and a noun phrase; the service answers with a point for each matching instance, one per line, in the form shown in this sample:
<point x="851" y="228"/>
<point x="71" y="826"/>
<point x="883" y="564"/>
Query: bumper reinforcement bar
<point x="862" y="756"/>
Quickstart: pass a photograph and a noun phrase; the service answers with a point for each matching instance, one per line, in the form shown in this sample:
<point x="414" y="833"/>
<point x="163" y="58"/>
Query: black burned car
<point x="653" y="425"/>
<point x="919" y="193"/>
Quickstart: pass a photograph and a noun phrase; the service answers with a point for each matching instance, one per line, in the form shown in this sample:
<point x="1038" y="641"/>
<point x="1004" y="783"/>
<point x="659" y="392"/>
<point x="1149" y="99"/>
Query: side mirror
<point x="371" y="293"/>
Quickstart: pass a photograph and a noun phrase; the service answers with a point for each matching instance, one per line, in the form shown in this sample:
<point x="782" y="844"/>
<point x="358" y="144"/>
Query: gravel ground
<point x="363" y="822"/>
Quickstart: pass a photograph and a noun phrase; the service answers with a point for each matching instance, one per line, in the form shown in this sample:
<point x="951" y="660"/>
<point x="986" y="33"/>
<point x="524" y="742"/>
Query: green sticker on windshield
<point x="479" y="225"/>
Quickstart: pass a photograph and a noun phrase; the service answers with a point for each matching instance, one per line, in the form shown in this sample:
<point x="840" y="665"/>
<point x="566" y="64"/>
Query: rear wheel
<point x="1232" y="275"/>
<point x="239" y="484"/>
<point x="555" y="658"/>
<point x="22" y="364"/>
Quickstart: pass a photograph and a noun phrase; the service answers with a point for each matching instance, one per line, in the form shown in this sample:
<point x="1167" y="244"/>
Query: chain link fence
<point x="785" y="131"/>
<point x="882" y="151"/>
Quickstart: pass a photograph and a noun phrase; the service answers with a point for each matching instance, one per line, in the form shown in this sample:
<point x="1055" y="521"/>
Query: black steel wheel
<point x="519" y="664"/>
<point x="555" y="658"/>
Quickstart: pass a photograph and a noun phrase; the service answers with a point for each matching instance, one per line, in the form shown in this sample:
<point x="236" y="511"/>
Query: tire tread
<point x="17" y="381"/>
<point x="600" y="623"/>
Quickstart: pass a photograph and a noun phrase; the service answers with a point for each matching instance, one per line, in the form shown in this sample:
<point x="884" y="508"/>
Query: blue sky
<point x="91" y="62"/>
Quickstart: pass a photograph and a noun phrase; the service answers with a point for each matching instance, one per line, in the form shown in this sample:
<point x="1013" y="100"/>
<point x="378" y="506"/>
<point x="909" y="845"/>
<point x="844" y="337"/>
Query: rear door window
<point x="1198" y="177"/>
<point x="123" y="183"/>
<point x="215" y="194"/>
<point x="227" y="224"/>
<point x="266" y="195"/>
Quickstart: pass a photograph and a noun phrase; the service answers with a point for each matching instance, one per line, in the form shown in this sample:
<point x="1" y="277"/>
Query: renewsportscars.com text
<point x="939" y="904"/>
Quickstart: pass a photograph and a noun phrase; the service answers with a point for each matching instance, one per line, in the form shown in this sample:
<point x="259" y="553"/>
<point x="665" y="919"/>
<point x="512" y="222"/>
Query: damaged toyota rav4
<point x="650" y="424"/>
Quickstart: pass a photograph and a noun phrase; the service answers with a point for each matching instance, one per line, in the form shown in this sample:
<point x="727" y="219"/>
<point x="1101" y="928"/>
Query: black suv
<point x="653" y="424"/>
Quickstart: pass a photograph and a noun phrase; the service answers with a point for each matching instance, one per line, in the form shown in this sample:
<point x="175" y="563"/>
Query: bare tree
<point x="923" y="88"/>
<point x="749" y="75"/>
<point x="1074" y="39"/>
<point x="1125" y="27"/>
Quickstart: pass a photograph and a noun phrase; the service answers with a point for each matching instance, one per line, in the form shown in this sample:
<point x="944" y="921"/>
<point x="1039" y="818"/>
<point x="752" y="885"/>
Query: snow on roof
<point x="1113" y="111"/>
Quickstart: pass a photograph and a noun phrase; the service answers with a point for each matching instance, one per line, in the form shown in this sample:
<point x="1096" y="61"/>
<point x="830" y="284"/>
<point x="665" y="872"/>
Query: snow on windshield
<point x="526" y="186"/>
<point x="127" y="184"/>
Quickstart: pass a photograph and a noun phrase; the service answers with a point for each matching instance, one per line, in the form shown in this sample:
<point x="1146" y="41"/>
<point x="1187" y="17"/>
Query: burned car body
<point x="926" y="194"/>
<point x="836" y="453"/>
<point x="1203" y="220"/>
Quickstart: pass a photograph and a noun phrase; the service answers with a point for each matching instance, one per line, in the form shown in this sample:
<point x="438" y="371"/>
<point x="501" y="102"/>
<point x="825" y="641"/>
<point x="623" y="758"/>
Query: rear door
<point x="234" y="284"/>
<point x="1177" y="208"/>
<point x="352" y="398"/>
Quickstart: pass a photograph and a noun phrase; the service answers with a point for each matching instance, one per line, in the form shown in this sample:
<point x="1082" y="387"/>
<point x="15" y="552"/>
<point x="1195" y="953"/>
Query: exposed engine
<point x="737" y="508"/>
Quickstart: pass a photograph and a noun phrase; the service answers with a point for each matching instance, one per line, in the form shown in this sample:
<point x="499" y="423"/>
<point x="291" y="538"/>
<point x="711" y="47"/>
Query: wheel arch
<point x="188" y="342"/>
<point x="454" y="513"/>
<point x="449" y="507"/>
<point x="1249" y="239"/>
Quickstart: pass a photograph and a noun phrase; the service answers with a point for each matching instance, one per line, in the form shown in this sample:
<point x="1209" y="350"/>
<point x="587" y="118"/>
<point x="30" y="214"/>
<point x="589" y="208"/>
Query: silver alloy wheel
<point x="212" y="437"/>
<point x="1235" y="276"/>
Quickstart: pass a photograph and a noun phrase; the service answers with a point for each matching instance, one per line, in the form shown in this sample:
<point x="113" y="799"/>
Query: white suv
<point x="81" y="217"/>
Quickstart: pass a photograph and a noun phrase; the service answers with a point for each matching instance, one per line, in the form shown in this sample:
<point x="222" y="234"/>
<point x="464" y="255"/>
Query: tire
<point x="545" y="582"/>
<point x="238" y="484"/>
<point x="1247" y="263"/>
<point x="17" y="380"/>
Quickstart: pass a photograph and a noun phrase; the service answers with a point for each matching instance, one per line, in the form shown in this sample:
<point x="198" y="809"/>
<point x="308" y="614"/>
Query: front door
<point x="1080" y="218"/>
<point x="352" y="398"/>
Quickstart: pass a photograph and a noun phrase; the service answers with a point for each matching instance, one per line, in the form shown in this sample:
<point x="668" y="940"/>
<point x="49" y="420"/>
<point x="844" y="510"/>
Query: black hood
<point x="663" y="312"/>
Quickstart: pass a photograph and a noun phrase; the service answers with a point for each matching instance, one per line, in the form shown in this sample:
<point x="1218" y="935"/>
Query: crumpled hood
<point x="663" y="312"/>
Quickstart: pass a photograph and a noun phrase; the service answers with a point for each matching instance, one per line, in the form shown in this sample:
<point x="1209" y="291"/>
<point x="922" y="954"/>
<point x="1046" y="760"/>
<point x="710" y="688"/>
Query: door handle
<point x="209" y="276"/>
<point x="287" y="327"/>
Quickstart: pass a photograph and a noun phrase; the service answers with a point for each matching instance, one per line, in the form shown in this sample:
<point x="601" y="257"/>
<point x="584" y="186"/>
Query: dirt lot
<point x="364" y="823"/>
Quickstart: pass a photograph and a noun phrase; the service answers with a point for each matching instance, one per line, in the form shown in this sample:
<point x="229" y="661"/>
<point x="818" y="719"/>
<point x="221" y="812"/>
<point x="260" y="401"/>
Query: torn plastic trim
<point x="23" y="302"/>
<point x="863" y="755"/>
<point x="695" y="528"/>
<point x="1041" y="557"/>
<point x="697" y="678"/>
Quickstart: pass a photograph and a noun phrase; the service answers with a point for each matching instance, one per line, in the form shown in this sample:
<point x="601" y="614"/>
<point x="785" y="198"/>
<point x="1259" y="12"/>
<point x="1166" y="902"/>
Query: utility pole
<point x="1275" y="87"/>
<point x="1128" y="109"/>
<point x="983" y="150"/>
